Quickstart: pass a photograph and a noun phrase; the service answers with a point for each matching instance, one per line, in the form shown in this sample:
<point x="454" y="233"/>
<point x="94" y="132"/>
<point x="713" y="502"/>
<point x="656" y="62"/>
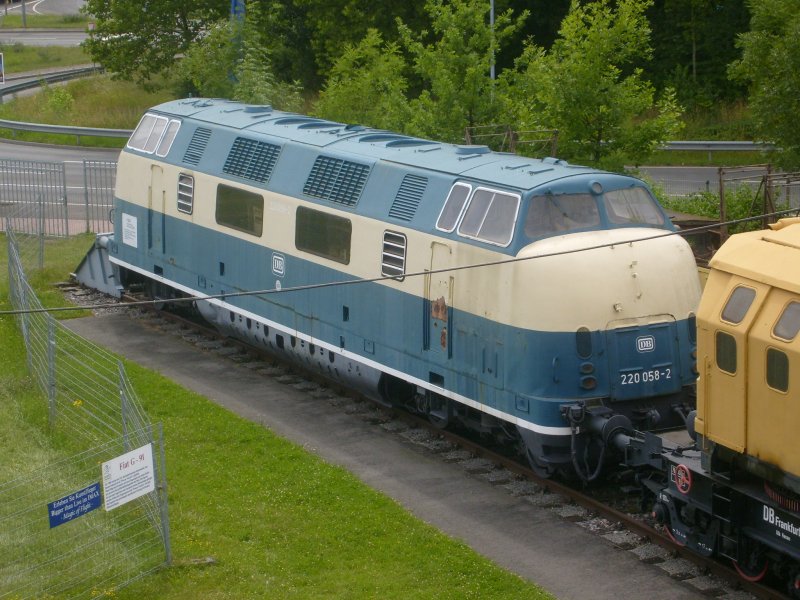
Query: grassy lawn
<point x="278" y="522"/>
<point x="13" y="20"/>
<point x="20" y="59"/>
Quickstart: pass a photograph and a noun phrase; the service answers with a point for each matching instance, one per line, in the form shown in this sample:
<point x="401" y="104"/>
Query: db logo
<point x="278" y="265"/>
<point x="646" y="343"/>
<point x="682" y="477"/>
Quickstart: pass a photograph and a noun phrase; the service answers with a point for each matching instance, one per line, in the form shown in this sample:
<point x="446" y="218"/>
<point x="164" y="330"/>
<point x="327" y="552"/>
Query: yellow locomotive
<point x="735" y="492"/>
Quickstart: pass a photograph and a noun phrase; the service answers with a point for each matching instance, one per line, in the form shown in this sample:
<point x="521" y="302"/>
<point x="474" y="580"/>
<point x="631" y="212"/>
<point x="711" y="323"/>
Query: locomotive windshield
<point x="554" y="214"/>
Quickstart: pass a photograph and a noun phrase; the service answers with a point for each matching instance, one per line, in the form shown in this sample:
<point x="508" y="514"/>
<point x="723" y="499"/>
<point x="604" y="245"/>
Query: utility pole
<point x="491" y="26"/>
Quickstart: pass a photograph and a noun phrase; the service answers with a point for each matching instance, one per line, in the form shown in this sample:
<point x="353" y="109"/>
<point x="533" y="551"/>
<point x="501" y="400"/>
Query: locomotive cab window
<point x="323" y="234"/>
<point x="154" y="133"/>
<point x="632" y="206"/>
<point x="789" y="322"/>
<point x="738" y="304"/>
<point x="240" y="209"/>
<point x="490" y="216"/>
<point x="726" y="352"/>
<point x="453" y="207"/>
<point x="777" y="370"/>
<point x="550" y="214"/>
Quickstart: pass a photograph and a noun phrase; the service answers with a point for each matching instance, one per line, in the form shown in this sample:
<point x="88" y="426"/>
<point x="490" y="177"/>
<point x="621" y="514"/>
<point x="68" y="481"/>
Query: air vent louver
<point x="251" y="159"/>
<point x="336" y="180"/>
<point x="197" y="145"/>
<point x="408" y="197"/>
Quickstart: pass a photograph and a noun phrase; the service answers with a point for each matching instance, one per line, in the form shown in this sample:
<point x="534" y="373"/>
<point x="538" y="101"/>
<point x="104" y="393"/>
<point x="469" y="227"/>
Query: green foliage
<point x="232" y="61"/>
<point x="367" y="86"/>
<point x="454" y="67"/>
<point x="58" y="99"/>
<point x="588" y="87"/>
<point x="741" y="202"/>
<point x="18" y="58"/>
<point x="139" y="40"/>
<point x="770" y="66"/>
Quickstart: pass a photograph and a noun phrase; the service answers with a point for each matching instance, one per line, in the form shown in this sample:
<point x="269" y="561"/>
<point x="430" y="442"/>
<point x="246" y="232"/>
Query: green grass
<point x="279" y="522"/>
<point x="89" y="102"/>
<point x="18" y="58"/>
<point x="13" y="20"/>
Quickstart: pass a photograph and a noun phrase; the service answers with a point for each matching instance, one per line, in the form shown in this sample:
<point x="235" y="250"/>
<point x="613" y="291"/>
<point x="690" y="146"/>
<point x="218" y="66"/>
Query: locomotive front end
<point x="608" y="292"/>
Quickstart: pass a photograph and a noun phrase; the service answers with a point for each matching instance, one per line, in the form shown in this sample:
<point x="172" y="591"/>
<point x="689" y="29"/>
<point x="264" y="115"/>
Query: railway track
<point x="626" y="530"/>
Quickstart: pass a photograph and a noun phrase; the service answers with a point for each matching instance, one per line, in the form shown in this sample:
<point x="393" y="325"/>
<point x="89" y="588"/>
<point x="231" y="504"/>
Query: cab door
<point x="156" y="205"/>
<point x="438" y="304"/>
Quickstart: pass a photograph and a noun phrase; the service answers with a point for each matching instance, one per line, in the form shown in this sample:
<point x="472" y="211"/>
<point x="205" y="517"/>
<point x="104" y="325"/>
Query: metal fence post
<point x="41" y="232"/>
<point x="64" y="196"/>
<point x="86" y="194"/>
<point x="51" y="369"/>
<point x="123" y="399"/>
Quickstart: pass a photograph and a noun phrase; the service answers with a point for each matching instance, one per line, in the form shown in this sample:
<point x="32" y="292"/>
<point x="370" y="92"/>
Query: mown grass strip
<point x="13" y="20"/>
<point x="275" y="521"/>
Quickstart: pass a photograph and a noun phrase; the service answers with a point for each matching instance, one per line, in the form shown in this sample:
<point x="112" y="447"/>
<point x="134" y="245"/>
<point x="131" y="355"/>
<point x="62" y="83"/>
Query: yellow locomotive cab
<point x="749" y="348"/>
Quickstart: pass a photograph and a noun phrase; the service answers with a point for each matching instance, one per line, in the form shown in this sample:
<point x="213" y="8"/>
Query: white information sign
<point x="130" y="230"/>
<point x="129" y="476"/>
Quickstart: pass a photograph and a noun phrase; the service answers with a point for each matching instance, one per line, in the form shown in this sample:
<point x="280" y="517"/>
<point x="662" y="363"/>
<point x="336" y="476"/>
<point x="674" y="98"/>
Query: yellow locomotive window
<point x="738" y="304"/>
<point x="777" y="370"/>
<point x="726" y="352"/>
<point x="789" y="323"/>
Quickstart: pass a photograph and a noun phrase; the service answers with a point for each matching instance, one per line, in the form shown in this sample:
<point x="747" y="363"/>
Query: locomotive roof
<point x="769" y="256"/>
<point x="477" y="162"/>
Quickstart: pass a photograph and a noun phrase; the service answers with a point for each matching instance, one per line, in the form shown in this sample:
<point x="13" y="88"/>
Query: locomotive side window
<point x="738" y="304"/>
<point x="551" y="214"/>
<point x="453" y="207"/>
<point x="240" y="209"/>
<point x="323" y="234"/>
<point x="726" y="352"/>
<point x="185" y="193"/>
<point x="632" y="205"/>
<point x="789" y="322"/>
<point x="490" y="216"/>
<point x="777" y="370"/>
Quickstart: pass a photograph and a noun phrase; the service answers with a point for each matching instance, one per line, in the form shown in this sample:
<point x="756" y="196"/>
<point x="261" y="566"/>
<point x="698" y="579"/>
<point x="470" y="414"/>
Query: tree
<point x="138" y="39"/>
<point x="770" y="66"/>
<point x="454" y="67"/>
<point x="367" y="86"/>
<point x="231" y="61"/>
<point x="588" y="87"/>
<point x="693" y="42"/>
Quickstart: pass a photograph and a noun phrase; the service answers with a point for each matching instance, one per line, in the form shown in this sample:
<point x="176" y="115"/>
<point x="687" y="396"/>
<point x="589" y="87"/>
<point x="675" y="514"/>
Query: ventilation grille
<point x="194" y="152"/>
<point x="336" y="180"/>
<point x="251" y="159"/>
<point x="393" y="257"/>
<point x="408" y="197"/>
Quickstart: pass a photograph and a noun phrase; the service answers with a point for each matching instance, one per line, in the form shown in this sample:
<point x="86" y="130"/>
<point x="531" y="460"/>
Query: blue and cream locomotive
<point x="531" y="300"/>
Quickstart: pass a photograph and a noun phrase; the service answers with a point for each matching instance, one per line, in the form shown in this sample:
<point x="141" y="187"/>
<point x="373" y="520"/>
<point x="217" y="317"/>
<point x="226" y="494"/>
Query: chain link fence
<point x="57" y="198"/>
<point x="56" y="540"/>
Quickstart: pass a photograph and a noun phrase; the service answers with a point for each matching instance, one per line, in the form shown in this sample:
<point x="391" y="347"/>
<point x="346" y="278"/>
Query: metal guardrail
<point x="714" y="146"/>
<point x="65" y="129"/>
<point x="35" y="81"/>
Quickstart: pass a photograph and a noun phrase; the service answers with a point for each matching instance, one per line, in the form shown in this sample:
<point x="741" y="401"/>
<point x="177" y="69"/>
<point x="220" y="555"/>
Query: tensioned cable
<point x="314" y="286"/>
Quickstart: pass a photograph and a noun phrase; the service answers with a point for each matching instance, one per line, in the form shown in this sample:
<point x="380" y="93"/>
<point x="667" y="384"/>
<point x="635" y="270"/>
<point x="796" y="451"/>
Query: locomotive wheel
<point x="753" y="567"/>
